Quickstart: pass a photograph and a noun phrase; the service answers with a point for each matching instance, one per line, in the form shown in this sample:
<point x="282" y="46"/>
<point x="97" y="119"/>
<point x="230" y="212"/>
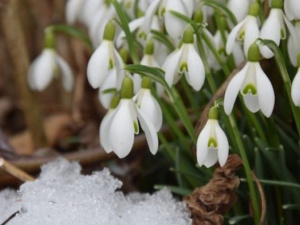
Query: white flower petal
<point x="137" y="82"/>
<point x="293" y="35"/>
<point x="232" y="36"/>
<point x="296" y="89"/>
<point x="188" y="6"/>
<point x="42" y="69"/>
<point x="146" y="26"/>
<point x="233" y="89"/>
<point x="223" y="146"/>
<point x="211" y="157"/>
<point x="66" y="73"/>
<point x="133" y="112"/>
<point x="150" y="132"/>
<point x="251" y="102"/>
<point x="239" y="8"/>
<point x="73" y="8"/>
<point x="238" y="54"/>
<point x="97" y="68"/>
<point x="118" y="65"/>
<point x="271" y="31"/>
<point x="104" y="130"/>
<point x="288" y="10"/>
<point x="171" y="66"/>
<point x="121" y="132"/>
<point x="265" y="92"/>
<point x="196" y="73"/>
<point x="202" y="144"/>
<point x="109" y="83"/>
<point x="174" y="25"/>
<point x="151" y="109"/>
<point x="133" y="25"/>
<point x="251" y="34"/>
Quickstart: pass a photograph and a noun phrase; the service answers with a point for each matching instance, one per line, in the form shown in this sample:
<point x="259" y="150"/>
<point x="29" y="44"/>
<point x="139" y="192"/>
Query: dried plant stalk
<point x="209" y="203"/>
<point x="16" y="172"/>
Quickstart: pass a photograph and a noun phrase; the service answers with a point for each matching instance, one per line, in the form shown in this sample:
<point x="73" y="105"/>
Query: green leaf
<point x="221" y="7"/>
<point x="124" y="24"/>
<point x="73" y="32"/>
<point x="163" y="38"/>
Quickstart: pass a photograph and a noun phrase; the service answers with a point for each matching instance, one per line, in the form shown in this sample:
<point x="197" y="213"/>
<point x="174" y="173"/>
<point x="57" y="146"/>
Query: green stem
<point x="286" y="79"/>
<point x="247" y="169"/>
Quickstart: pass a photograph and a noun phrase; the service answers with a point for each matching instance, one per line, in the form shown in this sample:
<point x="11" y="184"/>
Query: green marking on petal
<point x="212" y="143"/>
<point x="241" y="35"/>
<point x="183" y="67"/>
<point x="282" y="34"/>
<point x="249" y="88"/>
<point x="162" y="12"/>
<point x="136" y="127"/>
<point x="142" y="35"/>
<point x="111" y="64"/>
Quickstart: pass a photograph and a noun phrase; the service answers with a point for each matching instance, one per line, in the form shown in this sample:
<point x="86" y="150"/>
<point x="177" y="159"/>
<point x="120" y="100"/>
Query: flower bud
<point x="146" y="83"/>
<point x="254" y="9"/>
<point x="149" y="48"/>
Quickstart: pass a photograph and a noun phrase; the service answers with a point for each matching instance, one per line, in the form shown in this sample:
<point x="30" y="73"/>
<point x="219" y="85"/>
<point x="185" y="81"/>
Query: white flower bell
<point x="292" y="48"/>
<point x="274" y="28"/>
<point x="247" y="30"/>
<point x="185" y="61"/>
<point x="296" y="85"/>
<point x="254" y="85"/>
<point x="105" y="59"/>
<point x="47" y="65"/>
<point x="212" y="143"/>
<point x="239" y="8"/>
<point x="292" y="9"/>
<point x="117" y="133"/>
<point x="148" y="104"/>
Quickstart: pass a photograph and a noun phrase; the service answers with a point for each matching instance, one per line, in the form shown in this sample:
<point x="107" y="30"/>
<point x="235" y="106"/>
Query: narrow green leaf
<point x="163" y="38"/>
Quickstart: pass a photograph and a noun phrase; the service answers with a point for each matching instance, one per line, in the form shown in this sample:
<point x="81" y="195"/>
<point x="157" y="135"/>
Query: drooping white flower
<point x="185" y="61"/>
<point x="175" y="26"/>
<point x="292" y="9"/>
<point x="296" y="85"/>
<point x="73" y="9"/>
<point x="239" y="8"/>
<point x="253" y="84"/>
<point x="105" y="59"/>
<point x="274" y="28"/>
<point x="212" y="143"/>
<point x="148" y="104"/>
<point x="292" y="48"/>
<point x="45" y="67"/>
<point x="119" y="129"/>
<point x="247" y="30"/>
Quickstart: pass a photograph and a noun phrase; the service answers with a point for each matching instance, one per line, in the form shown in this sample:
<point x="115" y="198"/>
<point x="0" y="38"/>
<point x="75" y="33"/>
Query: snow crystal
<point x="62" y="196"/>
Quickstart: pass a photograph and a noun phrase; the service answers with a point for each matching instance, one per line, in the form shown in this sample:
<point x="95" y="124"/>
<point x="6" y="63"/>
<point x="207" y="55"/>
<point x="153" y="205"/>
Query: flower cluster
<point x="176" y="45"/>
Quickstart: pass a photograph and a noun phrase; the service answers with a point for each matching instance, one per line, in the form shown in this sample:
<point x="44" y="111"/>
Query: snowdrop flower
<point x="292" y="9"/>
<point x="296" y="85"/>
<point x="239" y="8"/>
<point x="148" y="60"/>
<point x="292" y="48"/>
<point x="185" y="61"/>
<point x="45" y="67"/>
<point x="148" y="104"/>
<point x="108" y="89"/>
<point x="174" y="25"/>
<point x="73" y="10"/>
<point x="274" y="28"/>
<point x="117" y="134"/>
<point x="105" y="59"/>
<point x="212" y="143"/>
<point x="247" y="30"/>
<point x="254" y="85"/>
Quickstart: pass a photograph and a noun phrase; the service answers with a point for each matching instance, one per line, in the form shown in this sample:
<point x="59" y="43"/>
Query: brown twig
<point x="15" y="171"/>
<point x="219" y="93"/>
<point x="262" y="199"/>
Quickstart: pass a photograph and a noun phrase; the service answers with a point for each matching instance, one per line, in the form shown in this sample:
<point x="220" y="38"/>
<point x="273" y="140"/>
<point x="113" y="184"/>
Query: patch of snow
<point x="62" y="196"/>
